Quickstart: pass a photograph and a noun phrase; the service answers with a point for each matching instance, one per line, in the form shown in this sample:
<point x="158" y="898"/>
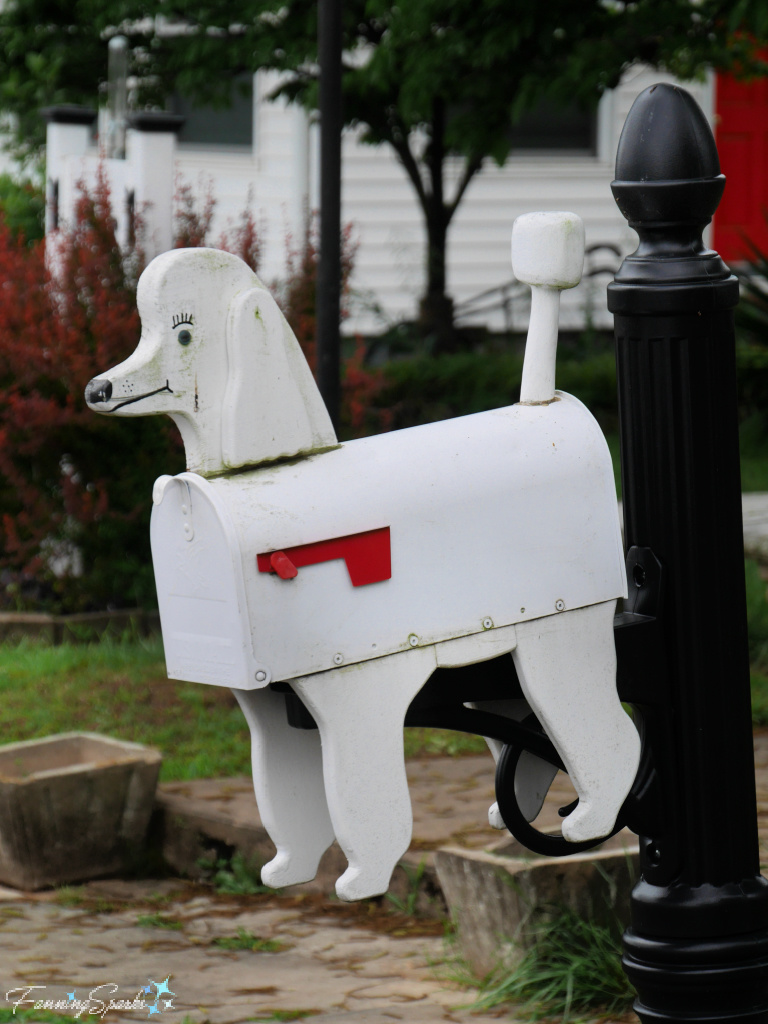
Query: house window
<point x="549" y="127"/>
<point x="219" y="126"/>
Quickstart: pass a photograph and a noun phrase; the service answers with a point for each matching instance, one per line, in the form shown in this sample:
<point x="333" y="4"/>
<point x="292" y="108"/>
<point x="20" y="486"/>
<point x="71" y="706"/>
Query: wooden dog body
<point x="353" y="571"/>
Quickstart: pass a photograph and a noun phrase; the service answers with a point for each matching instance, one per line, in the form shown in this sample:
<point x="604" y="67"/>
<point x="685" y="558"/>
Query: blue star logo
<point x="71" y="996"/>
<point x="162" y="987"/>
<point x="162" y="990"/>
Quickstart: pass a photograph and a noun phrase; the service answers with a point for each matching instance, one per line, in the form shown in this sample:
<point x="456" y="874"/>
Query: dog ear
<point x="272" y="408"/>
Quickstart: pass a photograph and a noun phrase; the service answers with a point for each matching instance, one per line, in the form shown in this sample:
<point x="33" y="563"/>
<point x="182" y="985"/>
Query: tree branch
<point x="471" y="168"/>
<point x="399" y="141"/>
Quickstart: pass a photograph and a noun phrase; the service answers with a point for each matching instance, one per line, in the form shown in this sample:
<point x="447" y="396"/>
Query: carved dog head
<point x="217" y="355"/>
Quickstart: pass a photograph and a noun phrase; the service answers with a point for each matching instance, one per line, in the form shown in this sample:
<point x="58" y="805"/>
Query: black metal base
<point x="706" y="980"/>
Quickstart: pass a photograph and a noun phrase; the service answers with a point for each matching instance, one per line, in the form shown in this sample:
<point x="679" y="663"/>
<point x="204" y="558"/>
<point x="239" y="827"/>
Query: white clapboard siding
<point x="279" y="177"/>
<point x="378" y="200"/>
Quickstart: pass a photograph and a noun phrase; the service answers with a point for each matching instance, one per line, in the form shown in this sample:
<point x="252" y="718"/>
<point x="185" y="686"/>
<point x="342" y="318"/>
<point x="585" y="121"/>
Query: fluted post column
<point x="697" y="949"/>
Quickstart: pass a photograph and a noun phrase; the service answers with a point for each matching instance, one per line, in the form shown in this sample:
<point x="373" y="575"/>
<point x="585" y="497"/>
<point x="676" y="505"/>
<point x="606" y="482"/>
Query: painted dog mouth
<point x="100" y="397"/>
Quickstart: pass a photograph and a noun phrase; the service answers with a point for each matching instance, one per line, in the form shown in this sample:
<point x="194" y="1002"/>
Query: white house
<point x="269" y="150"/>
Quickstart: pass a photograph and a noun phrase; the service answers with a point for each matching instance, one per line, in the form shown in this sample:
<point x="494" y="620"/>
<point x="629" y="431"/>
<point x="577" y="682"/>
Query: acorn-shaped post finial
<point x="668" y="185"/>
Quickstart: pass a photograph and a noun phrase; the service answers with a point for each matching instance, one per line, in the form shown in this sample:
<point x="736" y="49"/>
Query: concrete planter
<point x="496" y="895"/>
<point x="73" y="806"/>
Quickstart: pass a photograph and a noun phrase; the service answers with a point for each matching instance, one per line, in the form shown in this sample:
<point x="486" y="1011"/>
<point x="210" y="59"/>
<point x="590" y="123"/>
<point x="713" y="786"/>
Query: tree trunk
<point x="436" y="306"/>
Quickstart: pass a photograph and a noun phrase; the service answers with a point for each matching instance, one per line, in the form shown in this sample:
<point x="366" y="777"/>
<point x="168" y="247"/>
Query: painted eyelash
<point x="182" y="318"/>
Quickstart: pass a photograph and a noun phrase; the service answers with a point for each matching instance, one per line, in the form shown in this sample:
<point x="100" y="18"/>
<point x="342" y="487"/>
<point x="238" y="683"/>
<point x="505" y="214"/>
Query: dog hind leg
<point x="533" y="776"/>
<point x="566" y="664"/>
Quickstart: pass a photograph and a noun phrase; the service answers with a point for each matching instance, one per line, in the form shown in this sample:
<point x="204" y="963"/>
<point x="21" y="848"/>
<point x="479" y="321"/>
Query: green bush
<point x="22" y="205"/>
<point x="426" y="388"/>
<point x="422" y="388"/>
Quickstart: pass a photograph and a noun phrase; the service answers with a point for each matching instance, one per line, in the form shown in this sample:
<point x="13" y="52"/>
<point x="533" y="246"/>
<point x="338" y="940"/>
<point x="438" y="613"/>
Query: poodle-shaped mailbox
<point x="352" y="571"/>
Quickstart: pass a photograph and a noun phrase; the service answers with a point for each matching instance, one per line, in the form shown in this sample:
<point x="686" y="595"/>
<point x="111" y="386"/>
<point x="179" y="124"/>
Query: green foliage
<point x="759" y="686"/>
<point x="22" y="205"/>
<point x="572" y="967"/>
<point x="408" y="904"/>
<point x="159" y="921"/>
<point x="77" y="896"/>
<point x="251" y="943"/>
<point x="489" y="58"/>
<point x="237" y="876"/>
<point x="421" y="741"/>
<point x="752" y="346"/>
<point x="430" y="387"/>
<point x="424" y="387"/>
<point x="69" y="895"/>
<point x="757" y="615"/>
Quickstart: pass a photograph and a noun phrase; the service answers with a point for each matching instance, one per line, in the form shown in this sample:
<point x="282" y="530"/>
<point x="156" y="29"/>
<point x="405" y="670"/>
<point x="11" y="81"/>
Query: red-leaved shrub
<point x="298" y="293"/>
<point x="75" y="487"/>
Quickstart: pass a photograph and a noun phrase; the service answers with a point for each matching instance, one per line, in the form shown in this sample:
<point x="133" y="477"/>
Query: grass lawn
<point x="121" y="689"/>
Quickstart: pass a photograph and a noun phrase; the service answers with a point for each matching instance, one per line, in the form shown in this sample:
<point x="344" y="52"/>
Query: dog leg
<point x="533" y="776"/>
<point x="567" y="669"/>
<point x="288" y="782"/>
<point x="360" y="711"/>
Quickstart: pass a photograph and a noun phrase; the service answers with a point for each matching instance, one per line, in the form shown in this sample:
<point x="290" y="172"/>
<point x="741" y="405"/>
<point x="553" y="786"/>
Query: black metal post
<point x="697" y="949"/>
<point x="329" y="269"/>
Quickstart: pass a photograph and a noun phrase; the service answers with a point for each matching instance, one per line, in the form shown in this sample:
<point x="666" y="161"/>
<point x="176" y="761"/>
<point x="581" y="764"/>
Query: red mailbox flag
<point x="367" y="557"/>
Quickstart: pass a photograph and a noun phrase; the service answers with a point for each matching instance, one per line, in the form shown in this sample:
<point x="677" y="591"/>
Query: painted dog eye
<point x="184" y="337"/>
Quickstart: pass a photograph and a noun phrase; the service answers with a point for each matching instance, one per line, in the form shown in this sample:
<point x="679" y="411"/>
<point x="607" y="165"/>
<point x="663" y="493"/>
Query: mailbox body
<point x="494" y="519"/>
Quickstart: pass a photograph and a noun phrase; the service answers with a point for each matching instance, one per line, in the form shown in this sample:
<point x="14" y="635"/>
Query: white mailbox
<point x="353" y="571"/>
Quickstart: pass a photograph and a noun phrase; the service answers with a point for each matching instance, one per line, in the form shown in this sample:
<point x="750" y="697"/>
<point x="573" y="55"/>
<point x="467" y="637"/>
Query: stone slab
<point x="497" y="898"/>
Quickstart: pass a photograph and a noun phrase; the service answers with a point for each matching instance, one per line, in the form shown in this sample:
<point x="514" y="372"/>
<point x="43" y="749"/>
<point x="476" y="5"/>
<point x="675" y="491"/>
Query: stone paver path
<point x="323" y="962"/>
<point x="346" y="964"/>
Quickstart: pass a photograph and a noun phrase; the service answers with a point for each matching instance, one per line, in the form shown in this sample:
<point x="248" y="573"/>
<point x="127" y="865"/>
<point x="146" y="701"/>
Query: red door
<point x="741" y="131"/>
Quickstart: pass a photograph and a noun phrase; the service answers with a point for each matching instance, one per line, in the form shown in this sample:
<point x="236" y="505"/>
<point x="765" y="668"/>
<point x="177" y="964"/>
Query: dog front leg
<point x="288" y="782"/>
<point x="360" y="710"/>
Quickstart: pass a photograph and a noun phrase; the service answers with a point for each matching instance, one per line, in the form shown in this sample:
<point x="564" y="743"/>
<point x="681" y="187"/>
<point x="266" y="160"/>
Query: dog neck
<point x="202" y="443"/>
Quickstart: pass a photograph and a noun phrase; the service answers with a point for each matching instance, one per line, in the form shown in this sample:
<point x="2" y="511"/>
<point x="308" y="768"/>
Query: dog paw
<point x="357" y="884"/>
<point x="588" y="822"/>
<point x="495" y="819"/>
<point x="286" y="870"/>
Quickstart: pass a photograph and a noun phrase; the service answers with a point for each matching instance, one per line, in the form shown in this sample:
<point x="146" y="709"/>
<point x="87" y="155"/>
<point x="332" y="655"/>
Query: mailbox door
<point x="200" y="588"/>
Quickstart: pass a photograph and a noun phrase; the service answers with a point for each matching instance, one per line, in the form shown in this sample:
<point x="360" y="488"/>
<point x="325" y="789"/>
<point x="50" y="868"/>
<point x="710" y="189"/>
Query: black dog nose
<point x="98" y="391"/>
